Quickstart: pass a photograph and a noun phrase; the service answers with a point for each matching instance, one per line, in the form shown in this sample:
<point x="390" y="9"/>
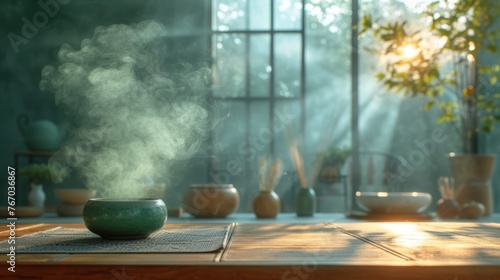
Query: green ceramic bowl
<point x="124" y="219"/>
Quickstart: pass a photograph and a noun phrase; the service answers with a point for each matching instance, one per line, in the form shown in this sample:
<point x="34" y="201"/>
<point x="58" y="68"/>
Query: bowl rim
<point x="75" y="189"/>
<point x="399" y="202"/>
<point x="107" y="199"/>
<point x="211" y="185"/>
<point x="392" y="194"/>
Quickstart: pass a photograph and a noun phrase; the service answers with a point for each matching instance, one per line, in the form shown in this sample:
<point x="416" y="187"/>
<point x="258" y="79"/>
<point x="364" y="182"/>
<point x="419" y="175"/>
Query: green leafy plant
<point x="38" y="173"/>
<point x="335" y="156"/>
<point x="445" y="54"/>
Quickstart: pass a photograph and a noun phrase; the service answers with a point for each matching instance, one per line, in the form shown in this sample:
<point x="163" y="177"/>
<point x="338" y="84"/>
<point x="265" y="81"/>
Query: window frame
<point x="273" y="98"/>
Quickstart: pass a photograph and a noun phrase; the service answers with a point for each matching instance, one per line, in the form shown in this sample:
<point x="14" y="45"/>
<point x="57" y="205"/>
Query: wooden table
<point x="364" y="250"/>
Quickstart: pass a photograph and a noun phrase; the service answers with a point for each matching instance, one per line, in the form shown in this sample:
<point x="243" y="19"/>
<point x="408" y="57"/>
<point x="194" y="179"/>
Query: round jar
<point x="211" y="200"/>
<point x="473" y="174"/>
<point x="266" y="204"/>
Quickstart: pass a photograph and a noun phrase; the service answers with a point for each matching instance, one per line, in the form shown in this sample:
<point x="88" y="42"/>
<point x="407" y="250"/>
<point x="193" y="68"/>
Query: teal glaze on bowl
<point x="124" y="218"/>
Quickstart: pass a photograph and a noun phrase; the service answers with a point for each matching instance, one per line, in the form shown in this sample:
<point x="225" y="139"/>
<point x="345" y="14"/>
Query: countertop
<point x="245" y="218"/>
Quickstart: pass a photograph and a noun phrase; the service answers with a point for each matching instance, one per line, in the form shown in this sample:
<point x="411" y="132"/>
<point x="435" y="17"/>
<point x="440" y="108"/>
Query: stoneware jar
<point x="36" y="196"/>
<point x="211" y="200"/>
<point x="124" y="218"/>
<point x="266" y="204"/>
<point x="473" y="174"/>
<point x="305" y="202"/>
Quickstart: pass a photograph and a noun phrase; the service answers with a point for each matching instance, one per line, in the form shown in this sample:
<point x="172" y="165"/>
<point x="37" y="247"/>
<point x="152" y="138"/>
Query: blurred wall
<point x="32" y="33"/>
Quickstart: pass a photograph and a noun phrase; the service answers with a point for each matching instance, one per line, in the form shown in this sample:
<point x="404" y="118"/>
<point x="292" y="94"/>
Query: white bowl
<point x="393" y="202"/>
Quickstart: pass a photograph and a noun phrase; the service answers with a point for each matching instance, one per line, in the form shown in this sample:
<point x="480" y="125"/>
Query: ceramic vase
<point x="305" y="202"/>
<point x="36" y="196"/>
<point x="266" y="204"/>
<point x="472" y="174"/>
<point x="211" y="200"/>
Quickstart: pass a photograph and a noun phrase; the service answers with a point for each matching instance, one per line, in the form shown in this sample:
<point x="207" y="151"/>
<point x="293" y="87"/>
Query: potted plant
<point x="37" y="174"/>
<point x="333" y="161"/>
<point x="445" y="62"/>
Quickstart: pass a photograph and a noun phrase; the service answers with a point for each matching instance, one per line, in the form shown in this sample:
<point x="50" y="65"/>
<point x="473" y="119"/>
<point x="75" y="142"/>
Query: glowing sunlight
<point x="408" y="235"/>
<point x="409" y="51"/>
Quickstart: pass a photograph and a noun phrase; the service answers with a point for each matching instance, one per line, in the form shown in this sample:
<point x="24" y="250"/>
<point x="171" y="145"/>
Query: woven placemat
<point x="78" y="241"/>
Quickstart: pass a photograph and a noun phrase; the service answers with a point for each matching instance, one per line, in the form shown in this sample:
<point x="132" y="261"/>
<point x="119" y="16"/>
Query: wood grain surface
<point x="434" y="250"/>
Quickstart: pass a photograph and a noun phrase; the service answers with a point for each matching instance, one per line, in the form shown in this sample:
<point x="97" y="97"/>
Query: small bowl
<point x="124" y="218"/>
<point x="22" y="212"/>
<point x="66" y="210"/>
<point x="393" y="202"/>
<point x="74" y="196"/>
<point x="211" y="200"/>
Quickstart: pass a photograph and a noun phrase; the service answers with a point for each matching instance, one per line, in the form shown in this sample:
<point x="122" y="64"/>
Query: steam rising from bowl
<point x="132" y="120"/>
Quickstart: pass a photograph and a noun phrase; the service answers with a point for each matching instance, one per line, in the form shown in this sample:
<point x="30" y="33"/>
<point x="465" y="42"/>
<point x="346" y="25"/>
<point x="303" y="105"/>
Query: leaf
<point x="432" y="5"/>
<point x="380" y="76"/>
<point x="485" y="70"/>
<point x="487" y="127"/>
<point x="387" y="37"/>
<point x="366" y="23"/>
<point x="482" y="105"/>
<point x="493" y="80"/>
<point x="429" y="105"/>
<point x="444" y="118"/>
<point x="491" y="48"/>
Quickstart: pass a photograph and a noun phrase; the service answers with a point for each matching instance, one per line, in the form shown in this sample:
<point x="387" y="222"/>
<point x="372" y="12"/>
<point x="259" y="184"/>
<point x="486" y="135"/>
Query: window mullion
<point x="303" y="72"/>
<point x="248" y="115"/>
<point x="271" y="81"/>
<point x="356" y="169"/>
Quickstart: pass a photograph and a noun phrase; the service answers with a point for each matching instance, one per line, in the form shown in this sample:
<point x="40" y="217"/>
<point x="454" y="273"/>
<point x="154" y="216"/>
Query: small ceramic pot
<point x="36" y="196"/>
<point x="211" y="200"/>
<point x="67" y="210"/>
<point x="266" y="204"/>
<point x="40" y="135"/>
<point x="124" y="219"/>
<point x="329" y="174"/>
<point x="74" y="196"/>
<point x="473" y="174"/>
<point x="305" y="202"/>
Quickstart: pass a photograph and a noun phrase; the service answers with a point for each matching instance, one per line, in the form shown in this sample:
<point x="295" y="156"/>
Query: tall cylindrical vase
<point x="472" y="174"/>
<point x="36" y="196"/>
<point x="266" y="204"/>
<point x="305" y="202"/>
